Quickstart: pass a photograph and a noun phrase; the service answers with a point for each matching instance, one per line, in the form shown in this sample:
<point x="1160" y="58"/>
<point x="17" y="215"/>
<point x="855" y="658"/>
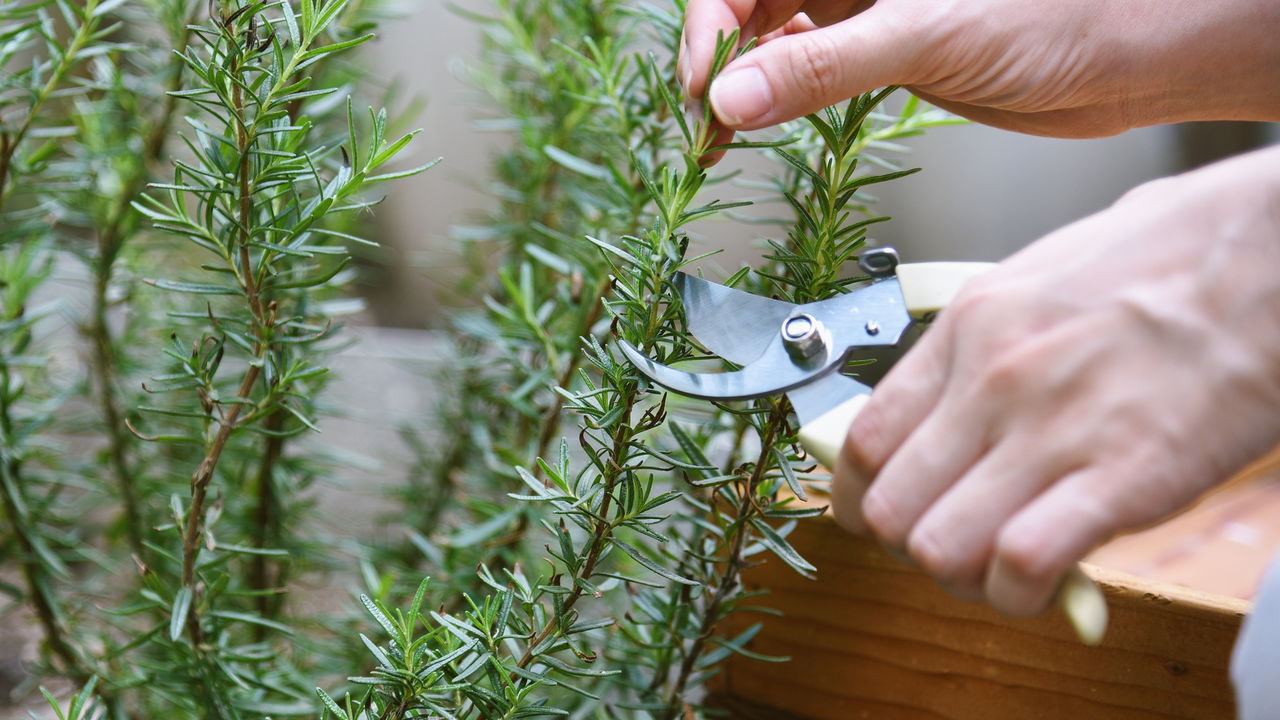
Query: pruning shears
<point x="805" y="350"/>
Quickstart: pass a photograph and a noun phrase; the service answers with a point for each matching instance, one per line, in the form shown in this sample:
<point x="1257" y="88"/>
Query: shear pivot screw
<point x="879" y="263"/>
<point x="803" y="336"/>
<point x="873" y="327"/>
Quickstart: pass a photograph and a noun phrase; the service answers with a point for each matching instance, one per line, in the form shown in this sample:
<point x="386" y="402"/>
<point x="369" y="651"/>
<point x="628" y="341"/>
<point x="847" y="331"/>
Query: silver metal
<point x="872" y="327"/>
<point x="805" y="338"/>
<point x="799" y="328"/>
<point x="813" y="399"/>
<point x="879" y="263"/>
<point x="772" y="373"/>
<point x="771" y="369"/>
<point x="734" y="324"/>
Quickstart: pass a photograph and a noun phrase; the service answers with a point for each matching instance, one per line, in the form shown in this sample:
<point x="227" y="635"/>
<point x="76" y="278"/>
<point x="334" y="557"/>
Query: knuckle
<point x="942" y="33"/>
<point x="950" y="568"/>
<point x="951" y="55"/>
<point x="1097" y="514"/>
<point x="1159" y="187"/>
<point x="1007" y="374"/>
<point x="979" y="299"/>
<point x="815" y="67"/>
<point x="1026" y="560"/>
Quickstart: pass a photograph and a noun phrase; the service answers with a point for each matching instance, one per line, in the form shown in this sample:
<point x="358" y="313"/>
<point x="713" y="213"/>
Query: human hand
<point x="1070" y="69"/>
<point x="1097" y="381"/>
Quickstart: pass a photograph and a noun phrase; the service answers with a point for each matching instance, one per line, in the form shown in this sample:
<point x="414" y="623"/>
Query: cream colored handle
<point x="1084" y="605"/>
<point x="930" y="286"/>
<point x="824" y="436"/>
<point x="927" y="288"/>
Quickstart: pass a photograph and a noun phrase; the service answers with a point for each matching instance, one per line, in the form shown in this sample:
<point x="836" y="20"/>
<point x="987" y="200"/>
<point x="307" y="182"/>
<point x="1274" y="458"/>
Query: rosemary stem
<point x="267" y="518"/>
<point x="111" y="239"/>
<point x="730" y="577"/>
<point x="551" y="419"/>
<point x="595" y="546"/>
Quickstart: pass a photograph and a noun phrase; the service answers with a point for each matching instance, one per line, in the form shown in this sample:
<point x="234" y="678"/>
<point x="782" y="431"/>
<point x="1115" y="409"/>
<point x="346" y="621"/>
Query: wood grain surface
<point x="872" y="638"/>
<point x="1221" y="546"/>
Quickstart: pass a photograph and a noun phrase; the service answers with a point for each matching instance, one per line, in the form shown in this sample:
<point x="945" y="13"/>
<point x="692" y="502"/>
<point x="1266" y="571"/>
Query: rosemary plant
<point x="185" y="517"/>
<point x="255" y="196"/>
<point x="608" y="586"/>
<point x="43" y="48"/>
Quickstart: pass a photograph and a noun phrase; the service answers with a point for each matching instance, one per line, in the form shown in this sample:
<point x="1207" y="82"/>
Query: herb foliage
<point x="576" y="539"/>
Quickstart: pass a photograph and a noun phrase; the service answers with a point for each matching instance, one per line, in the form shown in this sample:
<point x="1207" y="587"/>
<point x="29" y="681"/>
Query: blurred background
<point x="983" y="193"/>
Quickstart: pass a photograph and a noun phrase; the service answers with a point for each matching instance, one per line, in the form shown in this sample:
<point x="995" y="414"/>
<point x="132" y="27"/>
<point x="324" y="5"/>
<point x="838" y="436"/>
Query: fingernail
<point x="847" y="491"/>
<point x="693" y="111"/>
<point x="685" y="65"/>
<point x="850" y="519"/>
<point x="1014" y="594"/>
<point x="741" y="96"/>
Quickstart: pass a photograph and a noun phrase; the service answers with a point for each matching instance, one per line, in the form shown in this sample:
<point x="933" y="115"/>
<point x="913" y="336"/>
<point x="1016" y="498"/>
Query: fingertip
<point x="809" y="66"/>
<point x="1036" y="549"/>
<point x="866" y="449"/>
<point x="711" y="159"/>
<point x="1021" y="581"/>
<point x="925" y="550"/>
<point x="707" y="132"/>
<point x="741" y="97"/>
<point x="848" y="485"/>
<point x="907" y="395"/>
<point x="780" y="80"/>
<point x="799" y="24"/>
<point x="720" y="136"/>
<point x="704" y="20"/>
<point x="684" y="66"/>
<point x="881" y="519"/>
<point x="1028" y="562"/>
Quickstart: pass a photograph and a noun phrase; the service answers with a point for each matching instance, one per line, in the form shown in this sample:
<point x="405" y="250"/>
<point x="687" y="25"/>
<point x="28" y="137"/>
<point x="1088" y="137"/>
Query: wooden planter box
<point x="872" y="638"/>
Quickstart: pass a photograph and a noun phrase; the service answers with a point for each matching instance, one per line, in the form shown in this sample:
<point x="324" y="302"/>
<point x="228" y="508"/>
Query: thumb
<point x="795" y="75"/>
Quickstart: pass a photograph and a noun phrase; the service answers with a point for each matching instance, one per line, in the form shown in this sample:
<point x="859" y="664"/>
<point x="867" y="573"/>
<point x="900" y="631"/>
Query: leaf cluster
<point x="156" y="558"/>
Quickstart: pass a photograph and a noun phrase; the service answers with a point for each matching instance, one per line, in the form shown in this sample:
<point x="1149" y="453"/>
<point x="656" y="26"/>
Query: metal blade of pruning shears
<point x="784" y="347"/>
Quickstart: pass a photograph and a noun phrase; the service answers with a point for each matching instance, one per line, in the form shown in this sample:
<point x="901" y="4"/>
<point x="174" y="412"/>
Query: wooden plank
<point x="1222" y="546"/>
<point x="871" y="638"/>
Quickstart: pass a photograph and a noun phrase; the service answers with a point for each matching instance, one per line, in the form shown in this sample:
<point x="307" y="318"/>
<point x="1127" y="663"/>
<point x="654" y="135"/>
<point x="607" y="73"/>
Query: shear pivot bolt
<point x="879" y="263"/>
<point x="873" y="327"/>
<point x="803" y="337"/>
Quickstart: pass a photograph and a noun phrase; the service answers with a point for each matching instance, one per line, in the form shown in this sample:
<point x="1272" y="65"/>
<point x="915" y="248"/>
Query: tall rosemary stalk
<point x="229" y="271"/>
<point x="114" y="224"/>
<point x="42" y="47"/>
<point x="255" y="196"/>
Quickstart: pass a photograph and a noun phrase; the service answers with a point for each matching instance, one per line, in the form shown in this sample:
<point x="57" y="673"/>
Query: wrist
<point x="1200" y="61"/>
